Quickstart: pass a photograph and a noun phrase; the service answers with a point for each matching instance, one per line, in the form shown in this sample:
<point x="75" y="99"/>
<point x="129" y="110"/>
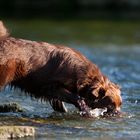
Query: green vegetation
<point x="77" y="31"/>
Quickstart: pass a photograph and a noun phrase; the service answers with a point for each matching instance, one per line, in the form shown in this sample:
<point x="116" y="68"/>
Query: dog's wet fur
<point x="55" y="73"/>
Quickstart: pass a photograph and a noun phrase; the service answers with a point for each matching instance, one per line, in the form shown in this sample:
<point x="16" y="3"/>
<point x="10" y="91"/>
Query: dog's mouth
<point x="112" y="112"/>
<point x="108" y="110"/>
<point x="111" y="108"/>
<point x="100" y="108"/>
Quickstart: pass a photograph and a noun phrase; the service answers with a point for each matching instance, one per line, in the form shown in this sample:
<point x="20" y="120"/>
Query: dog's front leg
<point x="63" y="95"/>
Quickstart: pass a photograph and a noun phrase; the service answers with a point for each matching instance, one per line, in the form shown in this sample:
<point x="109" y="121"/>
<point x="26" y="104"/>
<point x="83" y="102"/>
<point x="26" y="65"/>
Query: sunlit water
<point x="122" y="65"/>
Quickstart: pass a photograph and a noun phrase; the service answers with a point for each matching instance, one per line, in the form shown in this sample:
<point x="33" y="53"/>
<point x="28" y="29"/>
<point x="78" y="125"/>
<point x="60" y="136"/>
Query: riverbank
<point x="76" y="31"/>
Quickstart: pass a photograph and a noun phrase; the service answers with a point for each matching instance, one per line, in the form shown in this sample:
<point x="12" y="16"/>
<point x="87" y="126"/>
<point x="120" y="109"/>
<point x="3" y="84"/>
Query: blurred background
<point x="108" y="33"/>
<point x="71" y="8"/>
<point x="76" y="21"/>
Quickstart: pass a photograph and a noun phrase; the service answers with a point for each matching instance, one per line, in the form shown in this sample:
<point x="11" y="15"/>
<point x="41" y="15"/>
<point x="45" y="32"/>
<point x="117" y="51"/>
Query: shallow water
<point x="122" y="65"/>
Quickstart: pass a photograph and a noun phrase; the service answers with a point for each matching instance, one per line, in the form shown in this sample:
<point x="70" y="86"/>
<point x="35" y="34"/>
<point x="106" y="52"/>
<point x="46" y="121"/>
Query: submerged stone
<point x="11" y="107"/>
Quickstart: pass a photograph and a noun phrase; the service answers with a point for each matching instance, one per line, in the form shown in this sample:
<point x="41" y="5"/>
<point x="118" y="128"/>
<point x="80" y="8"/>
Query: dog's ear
<point x="100" y="93"/>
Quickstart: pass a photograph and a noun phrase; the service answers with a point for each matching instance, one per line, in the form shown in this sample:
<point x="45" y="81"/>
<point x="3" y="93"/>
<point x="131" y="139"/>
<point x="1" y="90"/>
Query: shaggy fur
<point x="55" y="73"/>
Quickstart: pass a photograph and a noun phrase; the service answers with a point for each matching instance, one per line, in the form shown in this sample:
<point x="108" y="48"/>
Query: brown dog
<point x="55" y="73"/>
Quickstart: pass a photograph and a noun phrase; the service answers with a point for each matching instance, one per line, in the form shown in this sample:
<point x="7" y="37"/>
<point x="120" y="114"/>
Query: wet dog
<point x="55" y="73"/>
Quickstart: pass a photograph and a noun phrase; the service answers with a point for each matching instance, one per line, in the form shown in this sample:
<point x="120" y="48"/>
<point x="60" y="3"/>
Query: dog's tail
<point x="3" y="31"/>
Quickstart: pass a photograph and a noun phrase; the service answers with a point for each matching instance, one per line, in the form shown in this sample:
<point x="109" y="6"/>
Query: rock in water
<point x="10" y="132"/>
<point x="11" y="107"/>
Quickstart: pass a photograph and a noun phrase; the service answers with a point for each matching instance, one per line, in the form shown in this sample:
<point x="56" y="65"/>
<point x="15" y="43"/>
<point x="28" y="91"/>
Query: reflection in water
<point x="121" y="64"/>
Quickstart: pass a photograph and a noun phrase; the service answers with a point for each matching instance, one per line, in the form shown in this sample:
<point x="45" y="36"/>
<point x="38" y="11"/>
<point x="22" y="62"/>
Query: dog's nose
<point x="116" y="112"/>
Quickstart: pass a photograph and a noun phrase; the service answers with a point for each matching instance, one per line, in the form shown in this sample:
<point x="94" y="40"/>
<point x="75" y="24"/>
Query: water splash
<point x="95" y="112"/>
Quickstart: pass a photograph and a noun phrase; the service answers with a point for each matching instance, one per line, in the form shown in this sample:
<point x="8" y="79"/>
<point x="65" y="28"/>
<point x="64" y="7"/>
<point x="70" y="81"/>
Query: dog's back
<point x="31" y="65"/>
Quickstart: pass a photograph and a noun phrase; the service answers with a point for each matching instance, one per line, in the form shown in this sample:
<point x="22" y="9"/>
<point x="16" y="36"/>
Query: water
<point x="121" y="63"/>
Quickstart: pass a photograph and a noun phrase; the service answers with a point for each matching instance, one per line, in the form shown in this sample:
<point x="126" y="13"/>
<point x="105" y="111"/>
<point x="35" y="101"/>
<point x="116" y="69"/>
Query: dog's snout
<point x="118" y="109"/>
<point x="113" y="110"/>
<point x="116" y="112"/>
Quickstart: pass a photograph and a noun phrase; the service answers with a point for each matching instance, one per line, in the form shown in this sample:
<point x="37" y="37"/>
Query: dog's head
<point x="101" y="93"/>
